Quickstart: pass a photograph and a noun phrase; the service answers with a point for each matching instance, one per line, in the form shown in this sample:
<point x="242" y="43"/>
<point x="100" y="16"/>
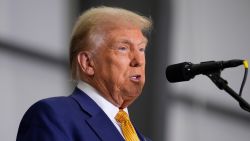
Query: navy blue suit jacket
<point x="73" y="118"/>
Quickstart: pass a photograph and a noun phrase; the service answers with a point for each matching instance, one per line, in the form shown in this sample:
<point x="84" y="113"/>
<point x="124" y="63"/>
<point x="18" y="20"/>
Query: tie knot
<point x="121" y="116"/>
<point x="127" y="128"/>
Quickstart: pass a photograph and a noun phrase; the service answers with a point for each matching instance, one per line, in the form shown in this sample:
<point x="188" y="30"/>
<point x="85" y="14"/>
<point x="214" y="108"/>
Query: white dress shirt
<point x="109" y="109"/>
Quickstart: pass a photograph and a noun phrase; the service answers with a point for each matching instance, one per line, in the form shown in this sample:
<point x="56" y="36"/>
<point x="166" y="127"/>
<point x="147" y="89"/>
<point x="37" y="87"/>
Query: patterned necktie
<point x="128" y="130"/>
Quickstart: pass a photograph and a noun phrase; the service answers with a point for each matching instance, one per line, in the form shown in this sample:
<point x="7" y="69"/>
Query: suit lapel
<point x="141" y="137"/>
<point x="104" y="127"/>
<point x="98" y="121"/>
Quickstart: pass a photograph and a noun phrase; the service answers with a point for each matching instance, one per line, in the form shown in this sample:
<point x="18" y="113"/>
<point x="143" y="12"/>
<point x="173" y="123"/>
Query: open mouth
<point x="135" y="78"/>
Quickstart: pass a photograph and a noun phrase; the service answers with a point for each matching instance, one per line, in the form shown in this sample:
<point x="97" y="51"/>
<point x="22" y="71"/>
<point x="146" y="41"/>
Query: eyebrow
<point x="126" y="41"/>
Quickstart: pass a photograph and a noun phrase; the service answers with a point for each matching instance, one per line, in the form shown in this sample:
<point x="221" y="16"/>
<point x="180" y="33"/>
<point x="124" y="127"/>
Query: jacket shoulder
<point x="56" y="106"/>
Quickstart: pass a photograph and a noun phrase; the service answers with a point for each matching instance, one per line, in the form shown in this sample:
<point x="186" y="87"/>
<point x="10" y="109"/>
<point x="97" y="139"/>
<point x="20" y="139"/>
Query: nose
<point x="137" y="59"/>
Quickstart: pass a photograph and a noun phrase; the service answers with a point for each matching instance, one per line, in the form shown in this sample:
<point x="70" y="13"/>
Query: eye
<point x="142" y="49"/>
<point x="122" y="48"/>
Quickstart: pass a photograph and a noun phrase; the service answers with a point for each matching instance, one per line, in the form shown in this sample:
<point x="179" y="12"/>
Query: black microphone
<point x="186" y="70"/>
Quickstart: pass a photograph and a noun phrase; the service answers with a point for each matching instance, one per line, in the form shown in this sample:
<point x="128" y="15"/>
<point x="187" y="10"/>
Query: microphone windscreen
<point x="177" y="72"/>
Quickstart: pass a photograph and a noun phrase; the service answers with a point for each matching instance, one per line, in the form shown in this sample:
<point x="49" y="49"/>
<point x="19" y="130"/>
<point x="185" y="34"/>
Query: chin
<point x="128" y="101"/>
<point x="133" y="94"/>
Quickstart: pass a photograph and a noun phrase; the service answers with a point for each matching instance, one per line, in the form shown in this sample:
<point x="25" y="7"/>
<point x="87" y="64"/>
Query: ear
<point x="85" y="62"/>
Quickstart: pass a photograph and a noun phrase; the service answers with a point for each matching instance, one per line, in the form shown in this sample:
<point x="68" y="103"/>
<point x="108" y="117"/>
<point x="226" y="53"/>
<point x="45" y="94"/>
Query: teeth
<point x="135" y="78"/>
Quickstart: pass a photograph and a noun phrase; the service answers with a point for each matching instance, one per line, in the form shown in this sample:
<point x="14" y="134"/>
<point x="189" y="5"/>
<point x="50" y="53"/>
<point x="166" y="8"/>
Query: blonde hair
<point x="94" y="20"/>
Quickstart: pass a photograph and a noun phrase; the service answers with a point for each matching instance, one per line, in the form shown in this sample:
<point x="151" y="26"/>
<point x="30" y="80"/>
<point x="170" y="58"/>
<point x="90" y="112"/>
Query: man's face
<point x="119" y="65"/>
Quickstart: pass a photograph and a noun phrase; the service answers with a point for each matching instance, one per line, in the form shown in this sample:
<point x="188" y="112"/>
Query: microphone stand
<point x="222" y="84"/>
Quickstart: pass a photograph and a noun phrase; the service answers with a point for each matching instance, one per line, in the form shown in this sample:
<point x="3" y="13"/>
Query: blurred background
<point x="34" y="38"/>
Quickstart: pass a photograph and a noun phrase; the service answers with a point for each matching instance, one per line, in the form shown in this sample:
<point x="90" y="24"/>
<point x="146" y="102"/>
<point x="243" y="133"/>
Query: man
<point x="107" y="57"/>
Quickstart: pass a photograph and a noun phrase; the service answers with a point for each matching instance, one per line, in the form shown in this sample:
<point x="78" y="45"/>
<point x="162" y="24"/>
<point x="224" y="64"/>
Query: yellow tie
<point x="128" y="130"/>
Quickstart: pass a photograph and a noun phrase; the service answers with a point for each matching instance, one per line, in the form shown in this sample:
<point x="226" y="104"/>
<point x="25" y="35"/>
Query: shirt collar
<point x="109" y="109"/>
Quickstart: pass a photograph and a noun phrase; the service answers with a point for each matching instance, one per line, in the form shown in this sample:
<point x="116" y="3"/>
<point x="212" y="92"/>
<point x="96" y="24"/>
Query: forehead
<point x="133" y="35"/>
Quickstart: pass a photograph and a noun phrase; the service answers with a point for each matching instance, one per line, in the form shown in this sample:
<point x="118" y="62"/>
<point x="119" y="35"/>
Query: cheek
<point x="117" y="68"/>
<point x="119" y="64"/>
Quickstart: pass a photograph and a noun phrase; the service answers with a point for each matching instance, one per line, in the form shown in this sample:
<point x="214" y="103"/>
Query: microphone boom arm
<point x="222" y="84"/>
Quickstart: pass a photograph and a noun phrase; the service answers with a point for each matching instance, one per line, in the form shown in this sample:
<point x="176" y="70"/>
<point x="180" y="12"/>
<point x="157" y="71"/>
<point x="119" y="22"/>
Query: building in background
<point x="34" y="38"/>
<point x="205" y="30"/>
